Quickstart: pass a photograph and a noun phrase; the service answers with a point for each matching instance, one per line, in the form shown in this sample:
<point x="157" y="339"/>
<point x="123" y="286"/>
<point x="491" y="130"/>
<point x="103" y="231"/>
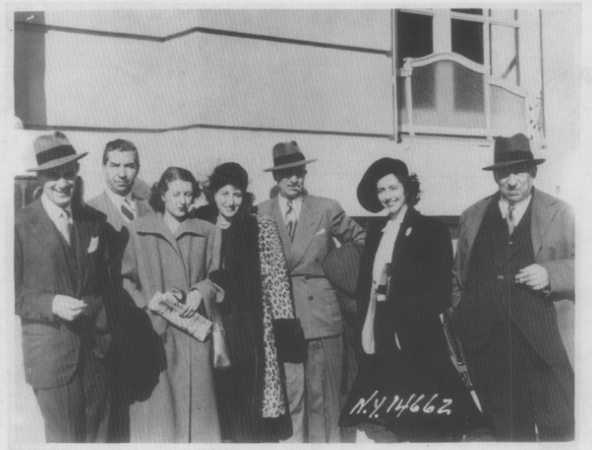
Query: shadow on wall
<point x="29" y="69"/>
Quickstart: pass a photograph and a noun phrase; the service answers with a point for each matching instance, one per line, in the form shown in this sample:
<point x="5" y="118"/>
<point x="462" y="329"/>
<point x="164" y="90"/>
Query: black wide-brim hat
<point x="54" y="150"/>
<point x="367" y="190"/>
<point x="513" y="151"/>
<point x="287" y="155"/>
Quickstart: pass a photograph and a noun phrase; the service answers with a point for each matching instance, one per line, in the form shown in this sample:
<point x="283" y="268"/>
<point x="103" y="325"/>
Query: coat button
<point x="316" y="259"/>
<point x="310" y="297"/>
<point x="306" y="277"/>
<point x="500" y="277"/>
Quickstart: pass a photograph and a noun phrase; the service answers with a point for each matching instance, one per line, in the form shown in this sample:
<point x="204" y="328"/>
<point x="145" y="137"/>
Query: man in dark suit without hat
<point x="121" y="165"/>
<point x="60" y="279"/>
<point x="514" y="263"/>
<point x="307" y="225"/>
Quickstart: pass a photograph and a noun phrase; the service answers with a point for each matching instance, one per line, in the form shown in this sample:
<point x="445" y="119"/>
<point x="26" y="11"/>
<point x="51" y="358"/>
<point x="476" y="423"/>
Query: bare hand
<point x="66" y="307"/>
<point x="192" y="302"/>
<point x="533" y="276"/>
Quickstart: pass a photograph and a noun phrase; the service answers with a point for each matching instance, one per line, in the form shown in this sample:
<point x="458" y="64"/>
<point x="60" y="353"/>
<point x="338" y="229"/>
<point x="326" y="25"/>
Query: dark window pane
<point x="468" y="90"/>
<point x="477" y="12"/>
<point x="414" y="36"/>
<point x="467" y="39"/>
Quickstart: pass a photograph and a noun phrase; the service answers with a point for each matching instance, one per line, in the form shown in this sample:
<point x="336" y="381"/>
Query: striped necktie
<point x="127" y="211"/>
<point x="510" y="219"/>
<point x="291" y="220"/>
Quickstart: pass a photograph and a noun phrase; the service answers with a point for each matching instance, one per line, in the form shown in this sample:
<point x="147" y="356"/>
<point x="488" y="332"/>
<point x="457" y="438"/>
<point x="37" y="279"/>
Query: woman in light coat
<point x="166" y="250"/>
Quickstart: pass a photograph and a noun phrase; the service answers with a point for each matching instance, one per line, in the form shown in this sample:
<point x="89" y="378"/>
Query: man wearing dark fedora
<point x="60" y="279"/>
<point x="514" y="263"/>
<point x="307" y="226"/>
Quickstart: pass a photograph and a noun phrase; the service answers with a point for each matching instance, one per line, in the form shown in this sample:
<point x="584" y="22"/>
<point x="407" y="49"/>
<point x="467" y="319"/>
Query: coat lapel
<point x="44" y="230"/>
<point x="474" y="222"/>
<point x="276" y="215"/>
<point x="543" y="212"/>
<point x="155" y="225"/>
<point x="400" y="249"/>
<point x="113" y="215"/>
<point x="308" y="223"/>
<point x="81" y="237"/>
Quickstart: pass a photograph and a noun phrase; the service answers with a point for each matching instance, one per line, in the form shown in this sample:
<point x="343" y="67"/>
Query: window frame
<point x="442" y="46"/>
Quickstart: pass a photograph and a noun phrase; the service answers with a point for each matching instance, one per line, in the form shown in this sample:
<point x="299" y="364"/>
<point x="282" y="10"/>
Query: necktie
<point x="65" y="222"/>
<point x="510" y="219"/>
<point x="291" y="220"/>
<point x="127" y="211"/>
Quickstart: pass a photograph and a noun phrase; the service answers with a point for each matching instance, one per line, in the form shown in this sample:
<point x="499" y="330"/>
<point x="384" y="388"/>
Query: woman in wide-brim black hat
<point x="404" y="285"/>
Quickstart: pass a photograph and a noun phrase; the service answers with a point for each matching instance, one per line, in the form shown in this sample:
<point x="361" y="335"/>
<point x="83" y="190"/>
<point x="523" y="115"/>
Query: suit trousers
<point x="79" y="411"/>
<point x="518" y="389"/>
<point x="314" y="392"/>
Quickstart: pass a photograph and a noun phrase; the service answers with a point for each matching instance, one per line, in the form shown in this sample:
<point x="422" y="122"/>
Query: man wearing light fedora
<point x="60" y="279"/>
<point x="307" y="225"/>
<point x="514" y="263"/>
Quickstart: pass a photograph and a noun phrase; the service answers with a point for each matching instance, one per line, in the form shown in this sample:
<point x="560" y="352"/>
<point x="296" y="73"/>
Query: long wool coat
<point x="182" y="407"/>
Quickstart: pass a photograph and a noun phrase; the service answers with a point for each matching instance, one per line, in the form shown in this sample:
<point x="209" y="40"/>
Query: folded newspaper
<point x="169" y="307"/>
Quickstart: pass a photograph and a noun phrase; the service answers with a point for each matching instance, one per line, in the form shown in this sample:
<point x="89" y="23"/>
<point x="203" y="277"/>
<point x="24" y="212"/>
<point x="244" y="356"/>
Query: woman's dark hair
<point x="411" y="185"/>
<point x="234" y="174"/>
<point x="160" y="188"/>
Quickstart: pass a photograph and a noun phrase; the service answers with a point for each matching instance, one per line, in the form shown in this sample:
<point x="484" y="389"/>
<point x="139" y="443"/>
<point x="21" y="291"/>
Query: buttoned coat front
<point x="182" y="407"/>
<point x="553" y="243"/>
<point x="321" y="220"/>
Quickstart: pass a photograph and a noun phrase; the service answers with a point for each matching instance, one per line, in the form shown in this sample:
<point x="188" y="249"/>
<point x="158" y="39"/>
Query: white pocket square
<point x="94" y="244"/>
<point x="321" y="231"/>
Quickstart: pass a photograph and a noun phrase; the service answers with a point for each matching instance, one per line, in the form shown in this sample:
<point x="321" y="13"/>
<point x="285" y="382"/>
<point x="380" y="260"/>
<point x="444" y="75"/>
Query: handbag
<point x="289" y="340"/>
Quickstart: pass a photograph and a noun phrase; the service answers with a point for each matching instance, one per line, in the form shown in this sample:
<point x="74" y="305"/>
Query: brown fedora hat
<point x="54" y="150"/>
<point x="286" y="155"/>
<point x="367" y="190"/>
<point x="512" y="151"/>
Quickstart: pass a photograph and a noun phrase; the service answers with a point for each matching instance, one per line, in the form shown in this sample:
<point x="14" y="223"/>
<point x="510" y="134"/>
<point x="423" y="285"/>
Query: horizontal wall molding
<point x="203" y="126"/>
<point x="236" y="34"/>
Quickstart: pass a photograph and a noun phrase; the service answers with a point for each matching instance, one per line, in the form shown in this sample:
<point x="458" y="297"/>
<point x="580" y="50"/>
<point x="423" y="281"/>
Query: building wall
<point x="118" y="83"/>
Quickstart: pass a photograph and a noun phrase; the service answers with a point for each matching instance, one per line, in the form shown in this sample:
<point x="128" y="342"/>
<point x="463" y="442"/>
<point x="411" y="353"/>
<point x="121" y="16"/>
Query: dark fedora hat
<point x="512" y="151"/>
<point x="367" y="193"/>
<point x="54" y="150"/>
<point x="286" y="155"/>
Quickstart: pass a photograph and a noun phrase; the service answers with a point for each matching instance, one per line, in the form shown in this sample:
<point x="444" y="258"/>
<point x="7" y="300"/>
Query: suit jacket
<point x="117" y="225"/>
<point x="320" y="221"/>
<point x="45" y="265"/>
<point x="553" y="243"/>
<point x="420" y="287"/>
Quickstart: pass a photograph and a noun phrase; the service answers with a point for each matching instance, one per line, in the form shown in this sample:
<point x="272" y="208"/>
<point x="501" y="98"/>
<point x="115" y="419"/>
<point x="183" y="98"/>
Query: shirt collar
<point x="296" y="204"/>
<point x="54" y="211"/>
<point x="519" y="207"/>
<point x="118" y="199"/>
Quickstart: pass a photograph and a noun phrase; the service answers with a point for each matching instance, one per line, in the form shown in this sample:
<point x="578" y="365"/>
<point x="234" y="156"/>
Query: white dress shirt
<point x="519" y="208"/>
<point x="119" y="201"/>
<point x="296" y="206"/>
<point x="56" y="214"/>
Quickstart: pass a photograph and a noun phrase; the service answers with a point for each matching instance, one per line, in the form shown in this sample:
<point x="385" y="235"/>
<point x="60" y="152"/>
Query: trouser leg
<point x="323" y="383"/>
<point x="79" y="410"/>
<point x="295" y="390"/>
<point x="62" y="409"/>
<point x="97" y="399"/>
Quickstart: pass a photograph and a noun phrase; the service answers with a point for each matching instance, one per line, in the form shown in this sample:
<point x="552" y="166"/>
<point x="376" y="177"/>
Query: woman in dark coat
<point x="404" y="285"/>
<point x="251" y="393"/>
